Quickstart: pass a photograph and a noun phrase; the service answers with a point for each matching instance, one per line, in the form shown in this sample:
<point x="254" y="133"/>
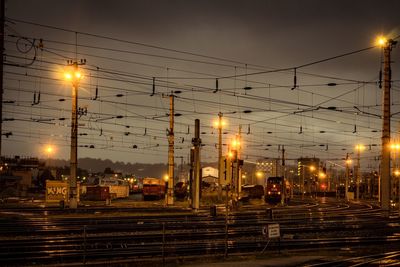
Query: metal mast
<point x="385" y="161"/>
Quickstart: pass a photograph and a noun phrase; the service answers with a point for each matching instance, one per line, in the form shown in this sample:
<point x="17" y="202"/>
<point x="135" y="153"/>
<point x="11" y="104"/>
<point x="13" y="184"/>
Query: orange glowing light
<point x="68" y="76"/>
<point x="360" y="147"/>
<point x="381" y="41"/>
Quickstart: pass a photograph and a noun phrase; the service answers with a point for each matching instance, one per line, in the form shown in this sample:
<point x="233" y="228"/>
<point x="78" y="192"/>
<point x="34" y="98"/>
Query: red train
<point x="153" y="188"/>
<point x="276" y="190"/>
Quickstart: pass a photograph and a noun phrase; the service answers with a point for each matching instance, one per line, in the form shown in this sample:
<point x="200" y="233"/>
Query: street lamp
<point x="381" y="41"/>
<point x="312" y="169"/>
<point x="359" y="148"/>
<point x="166" y="179"/>
<point x="346" y="190"/>
<point x="387" y="45"/>
<point x="235" y="147"/>
<point x="74" y="76"/>
<point x="219" y="124"/>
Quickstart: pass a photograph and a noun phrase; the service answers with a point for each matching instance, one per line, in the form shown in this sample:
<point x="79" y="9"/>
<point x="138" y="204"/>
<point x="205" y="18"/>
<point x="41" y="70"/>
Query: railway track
<point x="32" y="240"/>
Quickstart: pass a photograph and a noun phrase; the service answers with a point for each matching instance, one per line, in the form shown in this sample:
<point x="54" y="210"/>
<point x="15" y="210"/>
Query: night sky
<point x="186" y="46"/>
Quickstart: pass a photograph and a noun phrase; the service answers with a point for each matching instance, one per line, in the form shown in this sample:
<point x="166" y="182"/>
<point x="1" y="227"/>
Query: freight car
<point x="153" y="188"/>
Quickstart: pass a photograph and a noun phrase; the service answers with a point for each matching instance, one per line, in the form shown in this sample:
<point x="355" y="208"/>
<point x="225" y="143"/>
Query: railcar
<point x="276" y="190"/>
<point x="253" y="191"/>
<point x="153" y="188"/>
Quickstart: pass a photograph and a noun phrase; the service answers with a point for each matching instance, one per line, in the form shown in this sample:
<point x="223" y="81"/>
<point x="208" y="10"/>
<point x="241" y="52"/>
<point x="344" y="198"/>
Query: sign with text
<point x="271" y="230"/>
<point x="56" y="191"/>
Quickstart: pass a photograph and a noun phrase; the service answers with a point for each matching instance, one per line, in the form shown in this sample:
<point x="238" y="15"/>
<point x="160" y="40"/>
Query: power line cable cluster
<point x="125" y="109"/>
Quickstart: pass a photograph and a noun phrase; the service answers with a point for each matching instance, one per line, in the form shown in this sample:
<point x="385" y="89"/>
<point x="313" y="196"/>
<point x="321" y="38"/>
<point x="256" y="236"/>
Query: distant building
<point x="210" y="175"/>
<point x="266" y="169"/>
<point x="307" y="172"/>
<point x="21" y="170"/>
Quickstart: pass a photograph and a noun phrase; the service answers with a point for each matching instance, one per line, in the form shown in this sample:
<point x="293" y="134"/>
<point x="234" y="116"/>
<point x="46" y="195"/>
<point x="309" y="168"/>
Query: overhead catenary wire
<point x="117" y="78"/>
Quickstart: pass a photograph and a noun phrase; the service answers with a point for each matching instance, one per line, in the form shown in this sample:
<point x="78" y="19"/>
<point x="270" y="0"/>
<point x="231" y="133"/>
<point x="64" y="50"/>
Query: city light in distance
<point x="49" y="149"/>
<point x="360" y="147"/>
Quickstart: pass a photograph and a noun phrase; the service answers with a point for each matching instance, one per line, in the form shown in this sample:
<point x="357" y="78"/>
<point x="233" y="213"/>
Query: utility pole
<point x="346" y="184"/>
<point x="385" y="161"/>
<point x="283" y="161"/>
<point x="358" y="175"/>
<point x="73" y="202"/>
<point x="283" y="175"/>
<point x="196" y="141"/>
<point x="238" y="172"/>
<point x="2" y="14"/>
<point x="219" y="155"/>
<point x="75" y="77"/>
<point x="303" y="187"/>
<point x="170" y="190"/>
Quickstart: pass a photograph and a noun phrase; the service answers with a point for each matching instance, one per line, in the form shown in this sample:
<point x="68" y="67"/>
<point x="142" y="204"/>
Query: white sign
<point x="271" y="230"/>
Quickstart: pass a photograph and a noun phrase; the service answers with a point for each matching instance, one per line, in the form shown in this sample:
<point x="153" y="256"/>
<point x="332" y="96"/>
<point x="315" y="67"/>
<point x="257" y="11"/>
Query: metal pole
<point x="84" y="245"/>
<point x="379" y="186"/>
<point x="385" y="161"/>
<point x="197" y="179"/>
<point x="238" y="172"/>
<point x="358" y="175"/>
<point x="226" y="213"/>
<point x="233" y="181"/>
<point x="163" y="243"/>
<point x="219" y="155"/>
<point x="238" y="177"/>
<point x="346" y="184"/>
<point x="398" y="192"/>
<point x="191" y="178"/>
<point x="309" y="179"/>
<point x="283" y="175"/>
<point x="170" y="190"/>
<point x="302" y="183"/>
<point x="2" y="14"/>
<point x="73" y="202"/>
<point x="226" y="232"/>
